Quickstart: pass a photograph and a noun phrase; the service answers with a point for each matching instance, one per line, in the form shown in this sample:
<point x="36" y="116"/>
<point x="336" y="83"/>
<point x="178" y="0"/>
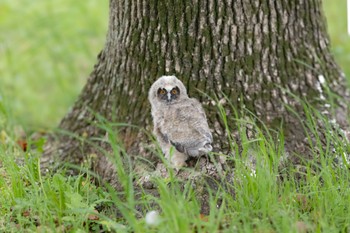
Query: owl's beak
<point x="169" y="96"/>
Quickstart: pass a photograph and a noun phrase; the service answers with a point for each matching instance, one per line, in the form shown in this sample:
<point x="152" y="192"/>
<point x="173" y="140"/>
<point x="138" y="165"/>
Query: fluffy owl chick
<point x="179" y="121"/>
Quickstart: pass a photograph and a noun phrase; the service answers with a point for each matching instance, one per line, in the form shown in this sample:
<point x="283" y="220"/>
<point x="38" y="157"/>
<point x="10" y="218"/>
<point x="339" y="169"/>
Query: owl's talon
<point x="178" y="159"/>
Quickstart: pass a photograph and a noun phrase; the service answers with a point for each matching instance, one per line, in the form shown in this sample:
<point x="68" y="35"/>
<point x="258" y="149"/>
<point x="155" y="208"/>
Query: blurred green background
<point x="48" y="49"/>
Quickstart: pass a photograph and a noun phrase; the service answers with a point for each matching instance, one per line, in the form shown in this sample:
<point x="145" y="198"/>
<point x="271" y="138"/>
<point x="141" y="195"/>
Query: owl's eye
<point x="174" y="91"/>
<point x="162" y="92"/>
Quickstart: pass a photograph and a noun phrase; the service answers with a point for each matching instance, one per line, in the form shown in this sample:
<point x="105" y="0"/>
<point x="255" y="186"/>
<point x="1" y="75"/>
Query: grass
<point x="265" y="198"/>
<point x="49" y="49"/>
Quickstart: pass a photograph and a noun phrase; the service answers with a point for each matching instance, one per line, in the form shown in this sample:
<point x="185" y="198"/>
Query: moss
<point x="206" y="33"/>
<point x="229" y="67"/>
<point x="225" y="50"/>
<point x="163" y="15"/>
<point x="249" y="64"/>
<point x="135" y="37"/>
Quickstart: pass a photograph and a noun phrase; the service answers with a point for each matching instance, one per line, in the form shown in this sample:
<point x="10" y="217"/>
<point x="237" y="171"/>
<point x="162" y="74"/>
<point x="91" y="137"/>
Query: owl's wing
<point x="187" y="128"/>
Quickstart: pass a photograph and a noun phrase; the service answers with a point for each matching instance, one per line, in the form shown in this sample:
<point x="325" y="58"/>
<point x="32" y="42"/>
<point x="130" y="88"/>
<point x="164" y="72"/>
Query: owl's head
<point x="168" y="90"/>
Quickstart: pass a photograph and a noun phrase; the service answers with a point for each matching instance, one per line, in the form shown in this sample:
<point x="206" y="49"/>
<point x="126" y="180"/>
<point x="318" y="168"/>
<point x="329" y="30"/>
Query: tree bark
<point x="253" y="52"/>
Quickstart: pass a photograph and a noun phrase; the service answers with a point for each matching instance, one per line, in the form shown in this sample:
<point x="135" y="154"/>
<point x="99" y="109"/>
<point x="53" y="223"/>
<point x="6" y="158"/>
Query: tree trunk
<point x="253" y="52"/>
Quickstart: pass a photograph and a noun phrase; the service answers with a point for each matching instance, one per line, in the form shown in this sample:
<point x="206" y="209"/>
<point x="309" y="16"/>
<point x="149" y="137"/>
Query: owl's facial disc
<point x="168" y="95"/>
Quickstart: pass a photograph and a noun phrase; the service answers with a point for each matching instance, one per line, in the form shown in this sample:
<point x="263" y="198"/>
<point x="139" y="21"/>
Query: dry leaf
<point x="26" y="213"/>
<point x="22" y="144"/>
<point x="204" y="217"/>
<point x="93" y="216"/>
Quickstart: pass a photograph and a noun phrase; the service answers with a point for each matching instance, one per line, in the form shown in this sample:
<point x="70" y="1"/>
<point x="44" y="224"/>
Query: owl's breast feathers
<point x="185" y="126"/>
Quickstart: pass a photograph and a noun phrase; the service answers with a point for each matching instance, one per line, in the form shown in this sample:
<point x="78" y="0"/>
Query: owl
<point x="180" y="124"/>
